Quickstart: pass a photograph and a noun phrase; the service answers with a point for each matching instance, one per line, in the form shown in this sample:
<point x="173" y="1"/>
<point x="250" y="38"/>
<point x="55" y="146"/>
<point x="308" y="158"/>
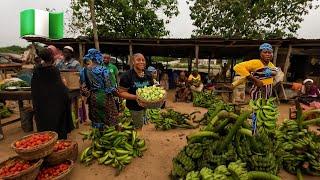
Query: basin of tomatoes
<point x="33" y="141"/>
<point x="61" y="145"/>
<point x="53" y="171"/>
<point x="14" y="167"/>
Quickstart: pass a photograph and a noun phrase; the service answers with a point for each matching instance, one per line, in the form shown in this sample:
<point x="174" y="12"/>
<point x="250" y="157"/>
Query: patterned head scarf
<point x="265" y="47"/>
<point x="93" y="55"/>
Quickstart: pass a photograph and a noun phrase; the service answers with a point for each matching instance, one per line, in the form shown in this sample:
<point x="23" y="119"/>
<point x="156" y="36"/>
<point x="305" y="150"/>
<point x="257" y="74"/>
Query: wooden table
<point x="20" y="96"/>
<point x="16" y="67"/>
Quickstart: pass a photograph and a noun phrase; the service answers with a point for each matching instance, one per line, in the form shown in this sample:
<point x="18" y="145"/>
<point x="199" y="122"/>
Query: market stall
<point x="20" y="96"/>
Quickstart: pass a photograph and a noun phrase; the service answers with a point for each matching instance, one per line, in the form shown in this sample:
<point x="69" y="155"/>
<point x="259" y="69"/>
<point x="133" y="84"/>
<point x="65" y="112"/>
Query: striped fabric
<point x="263" y="92"/>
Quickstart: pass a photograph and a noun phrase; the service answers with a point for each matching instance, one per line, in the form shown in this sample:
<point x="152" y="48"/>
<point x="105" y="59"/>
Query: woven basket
<point x="37" y="152"/>
<point x="70" y="152"/>
<point x="151" y="104"/>
<point x="66" y="175"/>
<point x="28" y="174"/>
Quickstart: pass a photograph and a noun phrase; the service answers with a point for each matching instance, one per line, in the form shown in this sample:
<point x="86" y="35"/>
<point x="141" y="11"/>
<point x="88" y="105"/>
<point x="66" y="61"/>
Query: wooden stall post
<point x="130" y="54"/>
<point x="197" y="55"/>
<point x="275" y="55"/>
<point x="287" y="63"/>
<point x="81" y="53"/>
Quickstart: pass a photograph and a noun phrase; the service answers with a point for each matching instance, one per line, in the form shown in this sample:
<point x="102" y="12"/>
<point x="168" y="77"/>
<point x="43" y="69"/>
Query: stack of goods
<point x="171" y="119"/>
<point x="32" y="151"/>
<point x="299" y="146"/>
<point x="113" y="147"/>
<point x="228" y="138"/>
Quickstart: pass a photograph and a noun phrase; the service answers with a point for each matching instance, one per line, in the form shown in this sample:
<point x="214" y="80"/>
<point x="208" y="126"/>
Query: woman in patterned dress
<point x="97" y="87"/>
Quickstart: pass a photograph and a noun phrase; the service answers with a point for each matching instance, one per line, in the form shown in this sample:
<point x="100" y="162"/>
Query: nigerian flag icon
<point x="34" y="22"/>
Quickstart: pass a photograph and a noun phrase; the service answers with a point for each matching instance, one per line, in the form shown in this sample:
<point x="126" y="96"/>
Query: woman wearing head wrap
<point x="260" y="71"/>
<point x="97" y="86"/>
<point x="309" y="89"/>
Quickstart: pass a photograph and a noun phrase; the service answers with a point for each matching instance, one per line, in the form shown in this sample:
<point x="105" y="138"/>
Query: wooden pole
<point x="209" y="65"/>
<point x="81" y="54"/>
<point x="287" y="63"/>
<point x="275" y="55"/>
<point x="197" y="55"/>
<point x="130" y="54"/>
<point x="94" y="25"/>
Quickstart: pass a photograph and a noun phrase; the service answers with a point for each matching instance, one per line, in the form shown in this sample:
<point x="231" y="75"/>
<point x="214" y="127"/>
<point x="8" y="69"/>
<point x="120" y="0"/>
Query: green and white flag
<point x="34" y="22"/>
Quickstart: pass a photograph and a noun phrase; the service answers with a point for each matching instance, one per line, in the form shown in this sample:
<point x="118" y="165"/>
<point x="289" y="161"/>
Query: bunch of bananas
<point x="205" y="99"/>
<point x="182" y="164"/>
<point x="266" y="113"/>
<point x="300" y="148"/>
<point x="194" y="150"/>
<point x="235" y="170"/>
<point x="214" y="110"/>
<point x="113" y="147"/>
<point x="171" y="119"/>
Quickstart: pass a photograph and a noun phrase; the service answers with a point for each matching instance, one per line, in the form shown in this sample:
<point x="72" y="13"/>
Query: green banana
<point x="121" y="151"/>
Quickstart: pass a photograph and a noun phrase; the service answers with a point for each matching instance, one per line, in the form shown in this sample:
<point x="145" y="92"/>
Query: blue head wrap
<point x="94" y="55"/>
<point x="151" y="69"/>
<point x="265" y="47"/>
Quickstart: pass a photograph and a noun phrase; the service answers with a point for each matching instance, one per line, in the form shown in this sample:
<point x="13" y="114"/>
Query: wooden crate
<point x="71" y="78"/>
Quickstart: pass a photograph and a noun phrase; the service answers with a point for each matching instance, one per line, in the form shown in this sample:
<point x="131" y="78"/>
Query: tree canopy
<point x="124" y="18"/>
<point x="252" y="19"/>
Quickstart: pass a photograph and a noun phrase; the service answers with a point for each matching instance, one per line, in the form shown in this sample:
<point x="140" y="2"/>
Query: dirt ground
<point x="156" y="162"/>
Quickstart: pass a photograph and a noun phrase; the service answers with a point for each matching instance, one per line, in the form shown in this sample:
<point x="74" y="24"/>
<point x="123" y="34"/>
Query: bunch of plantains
<point x="227" y="138"/>
<point x="204" y="99"/>
<point x="171" y="119"/>
<point x="113" y="147"/>
<point x="300" y="147"/>
<point x="233" y="171"/>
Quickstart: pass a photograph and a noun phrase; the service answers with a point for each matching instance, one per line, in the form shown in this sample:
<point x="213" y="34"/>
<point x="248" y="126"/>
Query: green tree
<point x="124" y="18"/>
<point x="248" y="18"/>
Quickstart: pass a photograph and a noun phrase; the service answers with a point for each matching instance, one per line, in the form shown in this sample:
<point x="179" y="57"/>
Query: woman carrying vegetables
<point x="260" y="71"/>
<point x="135" y="78"/>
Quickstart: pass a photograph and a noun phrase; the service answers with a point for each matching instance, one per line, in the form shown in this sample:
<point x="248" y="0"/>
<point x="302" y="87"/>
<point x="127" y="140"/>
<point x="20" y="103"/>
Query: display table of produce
<point x="9" y="67"/>
<point x="19" y="96"/>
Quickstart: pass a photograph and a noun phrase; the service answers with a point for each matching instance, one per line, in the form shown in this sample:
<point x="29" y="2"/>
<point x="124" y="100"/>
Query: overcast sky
<point x="180" y="27"/>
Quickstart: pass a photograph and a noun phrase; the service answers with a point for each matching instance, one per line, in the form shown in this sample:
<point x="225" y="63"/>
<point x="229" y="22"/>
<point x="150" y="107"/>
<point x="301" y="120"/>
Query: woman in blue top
<point x="97" y="87"/>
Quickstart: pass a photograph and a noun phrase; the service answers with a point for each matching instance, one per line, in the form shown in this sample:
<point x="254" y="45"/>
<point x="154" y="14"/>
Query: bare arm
<point x="123" y="92"/>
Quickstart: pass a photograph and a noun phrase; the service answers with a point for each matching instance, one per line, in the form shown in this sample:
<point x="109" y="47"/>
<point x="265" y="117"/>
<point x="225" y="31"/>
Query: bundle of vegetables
<point x="14" y="82"/>
<point x="235" y="170"/>
<point x="211" y="146"/>
<point x="204" y="99"/>
<point x="214" y="109"/>
<point x="266" y="112"/>
<point x="113" y="147"/>
<point x="259" y="152"/>
<point x="4" y="111"/>
<point x="299" y="146"/>
<point x="171" y="119"/>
